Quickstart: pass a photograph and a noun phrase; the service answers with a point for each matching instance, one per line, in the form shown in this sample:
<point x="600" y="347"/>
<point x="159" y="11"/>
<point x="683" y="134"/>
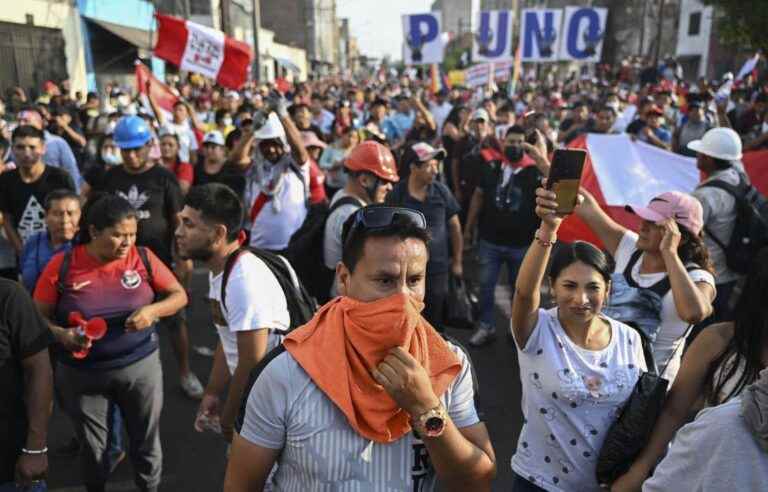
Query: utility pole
<point x="642" y="29"/>
<point x="658" y="37"/>
<point x="256" y="21"/>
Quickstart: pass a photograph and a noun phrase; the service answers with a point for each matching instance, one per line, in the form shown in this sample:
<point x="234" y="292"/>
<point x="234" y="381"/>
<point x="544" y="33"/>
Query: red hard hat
<point x="375" y="158"/>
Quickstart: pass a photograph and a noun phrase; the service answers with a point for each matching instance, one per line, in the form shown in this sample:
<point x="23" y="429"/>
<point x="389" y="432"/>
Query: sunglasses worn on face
<point x="376" y="218"/>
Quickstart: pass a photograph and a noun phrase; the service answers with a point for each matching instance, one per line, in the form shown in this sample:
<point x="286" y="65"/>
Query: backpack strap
<point x="347" y="200"/>
<point x="738" y="192"/>
<point x="228" y="266"/>
<point x="252" y="377"/>
<point x="63" y="272"/>
<point x="144" y="256"/>
<point x="662" y="286"/>
<point x="296" y="169"/>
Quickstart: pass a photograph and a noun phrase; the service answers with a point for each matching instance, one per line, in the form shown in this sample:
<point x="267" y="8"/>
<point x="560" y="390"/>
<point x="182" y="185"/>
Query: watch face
<point x="434" y="424"/>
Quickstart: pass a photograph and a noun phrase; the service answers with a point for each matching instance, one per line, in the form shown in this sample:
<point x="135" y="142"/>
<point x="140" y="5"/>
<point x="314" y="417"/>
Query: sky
<point x="379" y="29"/>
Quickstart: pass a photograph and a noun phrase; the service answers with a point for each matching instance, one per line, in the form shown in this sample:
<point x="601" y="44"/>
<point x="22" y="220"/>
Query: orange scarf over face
<point x="347" y="339"/>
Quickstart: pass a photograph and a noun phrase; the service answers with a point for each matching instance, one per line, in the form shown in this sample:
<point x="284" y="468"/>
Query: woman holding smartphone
<point x="577" y="366"/>
<point x="667" y="249"/>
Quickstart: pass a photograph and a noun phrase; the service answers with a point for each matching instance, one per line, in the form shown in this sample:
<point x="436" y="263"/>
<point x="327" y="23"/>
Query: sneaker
<point x="482" y="336"/>
<point x="192" y="386"/>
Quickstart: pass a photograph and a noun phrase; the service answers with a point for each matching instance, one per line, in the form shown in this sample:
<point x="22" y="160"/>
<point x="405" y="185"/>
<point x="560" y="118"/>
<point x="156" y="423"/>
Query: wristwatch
<point x="430" y="423"/>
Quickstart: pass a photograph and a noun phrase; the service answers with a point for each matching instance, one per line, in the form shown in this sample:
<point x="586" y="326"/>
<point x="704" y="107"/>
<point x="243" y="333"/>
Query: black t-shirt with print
<point x="155" y="193"/>
<point x="23" y="333"/>
<point x="438" y="208"/>
<point x="23" y="202"/>
<point x="229" y="175"/>
<point x="516" y="224"/>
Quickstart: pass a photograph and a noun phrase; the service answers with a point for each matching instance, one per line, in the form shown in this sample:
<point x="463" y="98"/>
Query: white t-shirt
<point x="669" y="339"/>
<point x="282" y="214"/>
<point x="571" y="396"/>
<point x="440" y="114"/>
<point x="333" y="229"/>
<point x="254" y="301"/>
<point x="187" y="139"/>
<point x="321" y="452"/>
<point x="715" y="452"/>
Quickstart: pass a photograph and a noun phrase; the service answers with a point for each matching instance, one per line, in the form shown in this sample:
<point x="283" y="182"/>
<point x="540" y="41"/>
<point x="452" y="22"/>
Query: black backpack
<point x="307" y="243"/>
<point x="301" y="306"/>
<point x="750" y="233"/>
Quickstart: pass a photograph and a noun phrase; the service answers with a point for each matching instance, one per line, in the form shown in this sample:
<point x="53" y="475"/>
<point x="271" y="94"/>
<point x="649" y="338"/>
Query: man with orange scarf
<point x="367" y="395"/>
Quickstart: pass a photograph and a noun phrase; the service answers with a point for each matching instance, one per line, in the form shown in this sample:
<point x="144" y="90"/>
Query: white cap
<point x="720" y="143"/>
<point x="480" y="114"/>
<point x="232" y="94"/>
<point x="214" y="137"/>
<point x="272" y="128"/>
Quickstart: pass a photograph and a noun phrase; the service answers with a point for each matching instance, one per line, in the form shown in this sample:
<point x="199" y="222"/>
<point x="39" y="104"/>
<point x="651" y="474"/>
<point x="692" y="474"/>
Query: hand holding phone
<point x="565" y="178"/>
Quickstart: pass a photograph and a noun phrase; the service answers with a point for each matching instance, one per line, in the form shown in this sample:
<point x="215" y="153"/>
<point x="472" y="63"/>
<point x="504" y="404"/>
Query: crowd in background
<point x="84" y="177"/>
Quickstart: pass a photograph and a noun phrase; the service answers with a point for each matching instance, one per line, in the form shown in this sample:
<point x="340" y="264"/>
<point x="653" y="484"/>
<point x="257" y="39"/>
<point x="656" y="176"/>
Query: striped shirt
<point x="321" y="451"/>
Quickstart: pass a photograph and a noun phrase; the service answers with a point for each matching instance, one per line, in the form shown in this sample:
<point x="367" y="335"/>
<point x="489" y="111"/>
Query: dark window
<point x="694" y="24"/>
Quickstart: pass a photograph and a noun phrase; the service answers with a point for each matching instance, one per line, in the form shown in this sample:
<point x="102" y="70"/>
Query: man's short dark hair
<point x="516" y="129"/>
<point x="353" y="247"/>
<point x="608" y="109"/>
<point x="295" y="107"/>
<point x="27" y="131"/>
<point x="217" y="204"/>
<point x="58" y="195"/>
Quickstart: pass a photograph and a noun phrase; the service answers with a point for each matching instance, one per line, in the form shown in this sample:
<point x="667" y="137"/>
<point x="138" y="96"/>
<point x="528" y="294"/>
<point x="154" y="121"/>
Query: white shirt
<point x="669" y="338"/>
<point x="187" y="139"/>
<point x="571" y="396"/>
<point x="440" y="114"/>
<point x="321" y="452"/>
<point x="334" y="226"/>
<point x="283" y="213"/>
<point x="714" y="453"/>
<point x="254" y="301"/>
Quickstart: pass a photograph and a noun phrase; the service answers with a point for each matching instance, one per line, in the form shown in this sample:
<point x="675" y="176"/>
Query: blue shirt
<point x="59" y="154"/>
<point x="396" y="126"/>
<point x="35" y="254"/>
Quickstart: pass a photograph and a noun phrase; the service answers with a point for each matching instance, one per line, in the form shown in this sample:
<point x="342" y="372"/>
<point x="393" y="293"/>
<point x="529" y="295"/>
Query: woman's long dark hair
<point x="454" y="116"/>
<point x="102" y="210"/>
<point x="693" y="250"/>
<point x="750" y="337"/>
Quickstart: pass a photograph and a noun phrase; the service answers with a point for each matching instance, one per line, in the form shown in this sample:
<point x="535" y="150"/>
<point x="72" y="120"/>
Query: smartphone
<point x="565" y="177"/>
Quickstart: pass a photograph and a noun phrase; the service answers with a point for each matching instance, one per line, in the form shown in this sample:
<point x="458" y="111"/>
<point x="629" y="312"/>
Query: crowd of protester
<point x="369" y="197"/>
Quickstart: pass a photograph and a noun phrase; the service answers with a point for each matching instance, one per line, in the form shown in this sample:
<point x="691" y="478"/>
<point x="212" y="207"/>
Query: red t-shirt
<point x="316" y="181"/>
<point x="184" y="171"/>
<point x="111" y="291"/>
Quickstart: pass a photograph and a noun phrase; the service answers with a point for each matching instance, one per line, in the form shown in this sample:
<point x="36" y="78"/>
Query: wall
<point x="696" y="45"/>
<point x="57" y="15"/>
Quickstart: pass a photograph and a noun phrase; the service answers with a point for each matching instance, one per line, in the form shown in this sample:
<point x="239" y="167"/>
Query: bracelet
<point x="34" y="451"/>
<point x="543" y="243"/>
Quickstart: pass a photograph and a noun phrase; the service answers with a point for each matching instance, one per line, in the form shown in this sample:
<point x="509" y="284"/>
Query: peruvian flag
<point x="620" y="172"/>
<point x="201" y="49"/>
<point x="161" y="93"/>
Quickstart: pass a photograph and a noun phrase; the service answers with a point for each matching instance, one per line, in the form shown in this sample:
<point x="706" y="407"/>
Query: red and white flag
<point x="204" y="50"/>
<point x="161" y="93"/>
<point x="620" y="172"/>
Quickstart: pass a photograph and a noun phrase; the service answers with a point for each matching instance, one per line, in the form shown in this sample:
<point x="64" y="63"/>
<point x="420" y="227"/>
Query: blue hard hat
<point x="131" y="132"/>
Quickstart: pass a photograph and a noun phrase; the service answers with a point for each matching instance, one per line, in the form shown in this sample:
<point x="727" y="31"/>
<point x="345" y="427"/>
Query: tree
<point x="742" y="23"/>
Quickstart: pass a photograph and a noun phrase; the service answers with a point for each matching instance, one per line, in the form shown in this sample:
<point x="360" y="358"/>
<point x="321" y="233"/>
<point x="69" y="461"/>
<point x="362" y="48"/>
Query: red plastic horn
<point x="93" y="329"/>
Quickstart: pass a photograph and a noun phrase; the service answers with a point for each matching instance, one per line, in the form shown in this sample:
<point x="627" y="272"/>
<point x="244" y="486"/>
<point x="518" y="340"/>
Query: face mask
<point x="765" y="126"/>
<point x="112" y="159"/>
<point x="226" y="121"/>
<point x="513" y="153"/>
<point x="613" y="104"/>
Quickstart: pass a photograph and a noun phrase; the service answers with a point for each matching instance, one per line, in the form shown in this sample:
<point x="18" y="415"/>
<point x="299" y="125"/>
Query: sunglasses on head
<point x="377" y="218"/>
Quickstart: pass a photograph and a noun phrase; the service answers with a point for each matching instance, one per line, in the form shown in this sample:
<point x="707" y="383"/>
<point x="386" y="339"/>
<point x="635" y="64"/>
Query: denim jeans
<point x="491" y="258"/>
<point x="12" y="487"/>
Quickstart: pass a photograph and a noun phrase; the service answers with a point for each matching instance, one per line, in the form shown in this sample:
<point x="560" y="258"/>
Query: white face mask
<point x="613" y="104"/>
<point x="226" y="121"/>
<point x="765" y="126"/>
<point x="112" y="159"/>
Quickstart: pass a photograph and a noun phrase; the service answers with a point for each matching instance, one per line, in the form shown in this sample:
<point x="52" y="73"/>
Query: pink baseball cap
<point x="684" y="208"/>
<point x="310" y="140"/>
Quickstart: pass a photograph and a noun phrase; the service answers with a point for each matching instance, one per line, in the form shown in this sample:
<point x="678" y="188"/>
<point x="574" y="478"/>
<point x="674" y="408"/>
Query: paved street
<point x="195" y="462"/>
